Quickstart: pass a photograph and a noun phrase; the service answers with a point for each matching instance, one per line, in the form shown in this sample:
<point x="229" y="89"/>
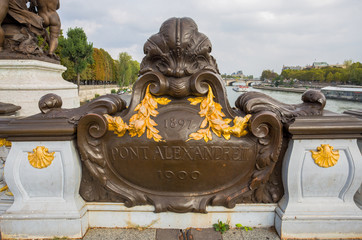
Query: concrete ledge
<point x="50" y="228"/>
<point x="321" y="227"/>
<point x="112" y="215"/>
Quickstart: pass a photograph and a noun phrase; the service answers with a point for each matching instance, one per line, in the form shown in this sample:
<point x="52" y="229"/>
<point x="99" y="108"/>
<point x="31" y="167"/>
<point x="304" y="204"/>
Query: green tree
<point x="124" y="68"/>
<point x="69" y="74"/>
<point x="135" y="69"/>
<point x="338" y="77"/>
<point x="128" y="69"/>
<point x="347" y="63"/>
<point x="330" y="77"/>
<point x="76" y="48"/>
<point x="286" y="74"/>
<point x="268" y="74"/>
<point x="317" y="75"/>
<point x="355" y="73"/>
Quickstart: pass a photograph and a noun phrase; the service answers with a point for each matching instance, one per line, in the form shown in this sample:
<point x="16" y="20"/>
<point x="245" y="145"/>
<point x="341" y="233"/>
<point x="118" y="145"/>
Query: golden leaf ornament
<point x="6" y="190"/>
<point x="40" y="157"/>
<point x="117" y="125"/>
<point x="214" y="120"/>
<point x="140" y="122"/>
<point x="325" y="156"/>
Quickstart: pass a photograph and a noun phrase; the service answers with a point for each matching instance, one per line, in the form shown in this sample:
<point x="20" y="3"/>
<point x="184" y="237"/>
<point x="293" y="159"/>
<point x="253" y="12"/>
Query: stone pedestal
<point x="24" y="82"/>
<point x="47" y="203"/>
<point x="319" y="202"/>
<point x="6" y="198"/>
<point x="358" y="197"/>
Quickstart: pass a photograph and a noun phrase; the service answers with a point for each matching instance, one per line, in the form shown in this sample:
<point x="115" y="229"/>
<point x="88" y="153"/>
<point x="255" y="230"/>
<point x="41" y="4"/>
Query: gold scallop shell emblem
<point x="40" y="157"/>
<point x="325" y="156"/>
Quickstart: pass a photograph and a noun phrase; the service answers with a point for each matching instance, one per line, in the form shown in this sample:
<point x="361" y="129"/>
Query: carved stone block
<point x="47" y="202"/>
<point x="319" y="201"/>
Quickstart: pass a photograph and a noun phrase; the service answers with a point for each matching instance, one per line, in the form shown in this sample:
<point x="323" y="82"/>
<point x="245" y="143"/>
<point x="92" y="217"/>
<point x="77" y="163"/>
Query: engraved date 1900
<point x="180" y="175"/>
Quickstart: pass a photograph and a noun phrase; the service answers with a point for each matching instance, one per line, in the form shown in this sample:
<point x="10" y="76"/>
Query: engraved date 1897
<point x="178" y="123"/>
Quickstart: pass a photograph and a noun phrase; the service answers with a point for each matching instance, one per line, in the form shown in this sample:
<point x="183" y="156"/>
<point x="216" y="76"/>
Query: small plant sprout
<point x="238" y="225"/>
<point x="221" y="227"/>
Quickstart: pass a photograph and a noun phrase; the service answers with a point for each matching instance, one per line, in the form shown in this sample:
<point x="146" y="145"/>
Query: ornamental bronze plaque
<point x="178" y="145"/>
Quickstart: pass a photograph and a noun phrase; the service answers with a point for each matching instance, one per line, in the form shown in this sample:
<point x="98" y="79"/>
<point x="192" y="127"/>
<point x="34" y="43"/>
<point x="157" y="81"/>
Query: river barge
<point x="351" y="93"/>
<point x="240" y="88"/>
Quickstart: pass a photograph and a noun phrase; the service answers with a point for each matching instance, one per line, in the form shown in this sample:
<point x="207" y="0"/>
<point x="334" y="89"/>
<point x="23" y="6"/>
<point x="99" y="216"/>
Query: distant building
<point x="238" y="74"/>
<point x="338" y="65"/>
<point x="292" y="67"/>
<point x="314" y="65"/>
<point x="319" y="64"/>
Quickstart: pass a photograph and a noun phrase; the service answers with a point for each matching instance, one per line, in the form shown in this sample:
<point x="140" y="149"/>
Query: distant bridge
<point x="247" y="82"/>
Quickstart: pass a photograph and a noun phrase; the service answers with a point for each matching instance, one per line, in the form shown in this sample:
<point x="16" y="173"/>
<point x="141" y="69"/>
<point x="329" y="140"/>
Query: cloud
<point x="89" y="27"/>
<point x="132" y="50"/>
<point x="246" y="35"/>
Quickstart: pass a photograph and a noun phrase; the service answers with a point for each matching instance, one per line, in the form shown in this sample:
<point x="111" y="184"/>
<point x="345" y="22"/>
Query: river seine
<point x="338" y="106"/>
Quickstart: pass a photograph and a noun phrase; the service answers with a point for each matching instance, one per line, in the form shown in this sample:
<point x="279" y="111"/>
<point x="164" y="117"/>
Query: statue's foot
<point x="52" y="55"/>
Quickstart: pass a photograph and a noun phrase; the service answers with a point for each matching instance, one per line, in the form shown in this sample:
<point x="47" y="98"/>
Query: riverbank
<point x="89" y="92"/>
<point x="281" y="89"/>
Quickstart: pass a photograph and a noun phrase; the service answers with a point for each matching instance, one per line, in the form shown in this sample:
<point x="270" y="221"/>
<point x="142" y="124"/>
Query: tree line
<point x="92" y="65"/>
<point x="227" y="76"/>
<point x="351" y="74"/>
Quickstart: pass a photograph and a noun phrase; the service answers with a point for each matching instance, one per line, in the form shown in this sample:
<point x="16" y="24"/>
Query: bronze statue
<point x="4" y="7"/>
<point x="21" y="25"/>
<point x="47" y="10"/>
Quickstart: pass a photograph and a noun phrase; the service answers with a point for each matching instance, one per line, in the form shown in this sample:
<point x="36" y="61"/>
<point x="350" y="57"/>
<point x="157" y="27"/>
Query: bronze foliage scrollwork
<point x="237" y="160"/>
<point x="265" y="130"/>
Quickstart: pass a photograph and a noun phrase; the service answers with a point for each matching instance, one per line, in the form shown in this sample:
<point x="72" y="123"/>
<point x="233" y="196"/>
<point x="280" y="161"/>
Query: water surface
<point x="333" y="105"/>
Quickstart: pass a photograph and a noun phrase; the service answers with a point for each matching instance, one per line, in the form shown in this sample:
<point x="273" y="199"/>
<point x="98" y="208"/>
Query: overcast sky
<point x="247" y="35"/>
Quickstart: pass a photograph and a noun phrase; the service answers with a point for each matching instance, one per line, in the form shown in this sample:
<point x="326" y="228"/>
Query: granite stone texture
<point x="176" y="234"/>
<point x="120" y="234"/>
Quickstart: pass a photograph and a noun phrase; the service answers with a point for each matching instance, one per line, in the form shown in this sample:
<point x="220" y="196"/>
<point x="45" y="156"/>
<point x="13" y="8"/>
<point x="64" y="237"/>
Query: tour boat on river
<point x="240" y="88"/>
<point x="352" y="93"/>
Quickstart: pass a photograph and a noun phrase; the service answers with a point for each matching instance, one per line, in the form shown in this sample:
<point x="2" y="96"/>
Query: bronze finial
<point x="178" y="50"/>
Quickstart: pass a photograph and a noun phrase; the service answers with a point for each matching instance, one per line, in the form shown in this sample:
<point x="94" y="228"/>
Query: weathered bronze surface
<point x="200" y="156"/>
<point x="21" y="25"/>
<point x="54" y="122"/>
<point x="7" y="109"/>
<point x="178" y="145"/>
<point x="326" y="126"/>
